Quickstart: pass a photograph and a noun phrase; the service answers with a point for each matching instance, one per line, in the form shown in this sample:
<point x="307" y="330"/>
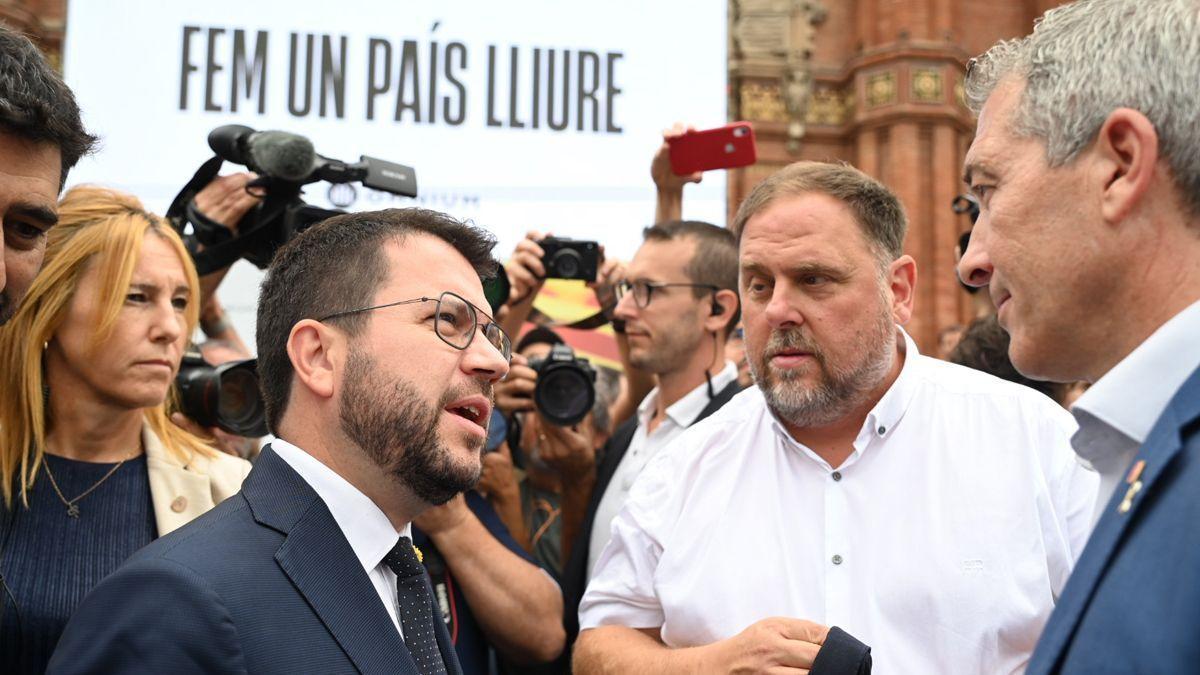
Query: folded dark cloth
<point x="842" y="654"/>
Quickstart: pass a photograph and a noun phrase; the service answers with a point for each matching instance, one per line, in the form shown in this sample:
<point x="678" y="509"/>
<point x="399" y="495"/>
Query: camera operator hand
<point x="527" y="275"/>
<point x="525" y="268"/>
<point x="515" y="392"/>
<point x="436" y="520"/>
<point x="660" y="166"/>
<point x="668" y="184"/>
<point x="569" y="450"/>
<point x="498" y="484"/>
<point x="225" y="200"/>
<point x="605" y="285"/>
<point x="499" y="478"/>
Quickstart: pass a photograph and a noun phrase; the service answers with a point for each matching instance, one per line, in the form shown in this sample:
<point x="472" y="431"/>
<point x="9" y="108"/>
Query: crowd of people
<point x="777" y="479"/>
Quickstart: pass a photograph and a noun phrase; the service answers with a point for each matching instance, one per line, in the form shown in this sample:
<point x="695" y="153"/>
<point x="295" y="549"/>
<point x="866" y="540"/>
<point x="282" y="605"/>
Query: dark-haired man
<point x="930" y="510"/>
<point x="376" y="363"/>
<point x="41" y="139"/>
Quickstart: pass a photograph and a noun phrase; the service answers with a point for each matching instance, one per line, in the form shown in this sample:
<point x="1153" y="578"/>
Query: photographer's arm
<point x="224" y="201"/>
<point x="518" y="606"/>
<point x="499" y="485"/>
<point x="669" y="186"/>
<point x="571" y="451"/>
<point x="527" y="276"/>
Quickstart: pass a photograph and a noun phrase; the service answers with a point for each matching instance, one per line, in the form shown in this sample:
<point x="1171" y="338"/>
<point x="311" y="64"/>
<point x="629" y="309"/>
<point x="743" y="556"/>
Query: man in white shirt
<point x="376" y="364"/>
<point x="1088" y="175"/>
<point x="678" y="306"/>
<point x="930" y="510"/>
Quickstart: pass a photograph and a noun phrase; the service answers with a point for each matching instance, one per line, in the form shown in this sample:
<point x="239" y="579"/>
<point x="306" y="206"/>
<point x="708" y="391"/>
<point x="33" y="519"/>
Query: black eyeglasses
<point x="643" y="291"/>
<point x="454" y="321"/>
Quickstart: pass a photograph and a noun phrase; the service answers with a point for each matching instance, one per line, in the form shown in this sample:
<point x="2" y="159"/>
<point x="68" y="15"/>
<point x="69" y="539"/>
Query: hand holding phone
<point x="725" y="147"/>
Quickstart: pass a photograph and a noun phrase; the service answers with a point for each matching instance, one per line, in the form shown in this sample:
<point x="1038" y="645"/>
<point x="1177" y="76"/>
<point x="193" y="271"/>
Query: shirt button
<point x="882" y="430"/>
<point x="837" y="475"/>
<point x="179" y="504"/>
<point x="837" y="560"/>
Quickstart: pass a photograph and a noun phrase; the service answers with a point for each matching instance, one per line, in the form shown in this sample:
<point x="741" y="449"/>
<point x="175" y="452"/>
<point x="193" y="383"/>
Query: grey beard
<point x="835" y="395"/>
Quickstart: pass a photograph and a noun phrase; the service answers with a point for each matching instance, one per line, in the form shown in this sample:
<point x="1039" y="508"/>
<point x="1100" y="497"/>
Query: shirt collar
<point x="891" y="407"/>
<point x="1131" y="397"/>
<point x="887" y="413"/>
<point x="685" y="411"/>
<point x="364" y="525"/>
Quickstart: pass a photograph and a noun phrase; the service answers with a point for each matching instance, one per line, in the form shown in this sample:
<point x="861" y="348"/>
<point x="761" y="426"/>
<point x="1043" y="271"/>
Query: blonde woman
<point x="91" y="466"/>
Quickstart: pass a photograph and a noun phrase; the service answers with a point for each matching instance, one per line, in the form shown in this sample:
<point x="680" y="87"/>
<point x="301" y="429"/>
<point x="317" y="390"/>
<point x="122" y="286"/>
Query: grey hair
<point x="1074" y="78"/>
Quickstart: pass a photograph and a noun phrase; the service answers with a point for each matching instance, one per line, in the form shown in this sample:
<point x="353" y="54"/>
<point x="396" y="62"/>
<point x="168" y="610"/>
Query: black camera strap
<point x="221" y="247"/>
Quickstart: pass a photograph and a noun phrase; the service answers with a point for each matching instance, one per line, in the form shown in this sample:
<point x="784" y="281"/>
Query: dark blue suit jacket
<point x="1132" y="605"/>
<point x="264" y="583"/>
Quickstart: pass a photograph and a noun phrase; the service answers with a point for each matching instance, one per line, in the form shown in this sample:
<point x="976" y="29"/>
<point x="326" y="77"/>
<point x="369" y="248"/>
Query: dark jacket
<point x="1132" y="604"/>
<point x="264" y="583"/>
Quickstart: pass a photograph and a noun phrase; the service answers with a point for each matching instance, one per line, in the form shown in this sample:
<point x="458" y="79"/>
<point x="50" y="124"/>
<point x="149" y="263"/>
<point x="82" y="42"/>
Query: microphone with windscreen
<point x="285" y="162"/>
<point x="278" y="154"/>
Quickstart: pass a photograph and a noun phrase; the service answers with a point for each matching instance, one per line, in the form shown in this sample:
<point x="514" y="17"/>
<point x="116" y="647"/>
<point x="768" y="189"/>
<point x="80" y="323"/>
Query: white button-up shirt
<point x="942" y="541"/>
<point x="1117" y="413"/>
<point x="365" y="526"/>
<point x="643" y="447"/>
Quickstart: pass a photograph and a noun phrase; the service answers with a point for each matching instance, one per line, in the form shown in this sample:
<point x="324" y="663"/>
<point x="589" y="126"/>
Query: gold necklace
<point x="73" y="504"/>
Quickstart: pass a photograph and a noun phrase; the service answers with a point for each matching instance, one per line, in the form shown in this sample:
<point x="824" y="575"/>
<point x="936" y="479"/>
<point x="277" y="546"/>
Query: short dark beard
<point x="400" y="434"/>
<point x="838" y="392"/>
<point x="669" y="351"/>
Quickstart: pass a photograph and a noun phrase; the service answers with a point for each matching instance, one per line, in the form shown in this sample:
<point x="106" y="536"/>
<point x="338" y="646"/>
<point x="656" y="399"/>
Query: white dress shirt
<point x="942" y="542"/>
<point x="365" y="526"/>
<point x="643" y="447"/>
<point x="1117" y="413"/>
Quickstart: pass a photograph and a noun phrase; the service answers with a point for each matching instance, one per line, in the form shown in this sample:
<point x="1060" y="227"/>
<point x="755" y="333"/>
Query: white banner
<point x="519" y="115"/>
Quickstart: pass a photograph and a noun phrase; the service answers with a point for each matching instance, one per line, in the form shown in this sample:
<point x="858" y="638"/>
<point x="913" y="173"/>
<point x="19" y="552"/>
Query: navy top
<point x="470" y="643"/>
<point x="51" y="560"/>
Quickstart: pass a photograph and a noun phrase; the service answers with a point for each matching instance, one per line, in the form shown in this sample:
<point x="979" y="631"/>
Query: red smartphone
<point x="722" y="148"/>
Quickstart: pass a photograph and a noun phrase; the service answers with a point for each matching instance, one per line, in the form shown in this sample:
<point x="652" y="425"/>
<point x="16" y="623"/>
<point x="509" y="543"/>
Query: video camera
<point x="285" y="163"/>
<point x="566" y="386"/>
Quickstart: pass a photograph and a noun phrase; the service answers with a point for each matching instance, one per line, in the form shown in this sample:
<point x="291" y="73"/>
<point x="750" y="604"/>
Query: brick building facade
<point x="878" y="84"/>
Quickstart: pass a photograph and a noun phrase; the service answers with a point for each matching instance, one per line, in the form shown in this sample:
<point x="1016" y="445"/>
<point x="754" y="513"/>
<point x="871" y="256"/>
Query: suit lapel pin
<point x="1135" y="486"/>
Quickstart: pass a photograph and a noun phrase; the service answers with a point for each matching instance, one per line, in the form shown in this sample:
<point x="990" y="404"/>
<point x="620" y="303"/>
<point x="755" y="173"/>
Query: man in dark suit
<point x="1086" y="167"/>
<point x="678" y="304"/>
<point x="377" y="365"/>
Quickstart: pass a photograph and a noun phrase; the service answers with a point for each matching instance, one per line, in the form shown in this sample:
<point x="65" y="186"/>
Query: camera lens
<point x="564" y="395"/>
<point x="566" y="264"/>
<point x="224" y="396"/>
<point x="239" y="403"/>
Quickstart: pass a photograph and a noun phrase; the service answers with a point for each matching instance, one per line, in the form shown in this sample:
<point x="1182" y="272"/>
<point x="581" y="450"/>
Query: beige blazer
<point x="181" y="492"/>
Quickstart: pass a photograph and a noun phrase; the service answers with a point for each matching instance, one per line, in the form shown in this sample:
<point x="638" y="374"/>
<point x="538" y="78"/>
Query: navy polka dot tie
<point x="416" y="608"/>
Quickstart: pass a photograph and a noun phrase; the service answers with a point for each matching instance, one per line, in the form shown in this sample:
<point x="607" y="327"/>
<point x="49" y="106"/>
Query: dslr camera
<point x="566" y="386"/>
<point x="224" y="396"/>
<point x="570" y="258"/>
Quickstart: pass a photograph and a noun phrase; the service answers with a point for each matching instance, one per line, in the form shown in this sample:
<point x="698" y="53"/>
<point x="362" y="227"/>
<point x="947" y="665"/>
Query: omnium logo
<point x="394" y="175"/>
<point x="342" y="195"/>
